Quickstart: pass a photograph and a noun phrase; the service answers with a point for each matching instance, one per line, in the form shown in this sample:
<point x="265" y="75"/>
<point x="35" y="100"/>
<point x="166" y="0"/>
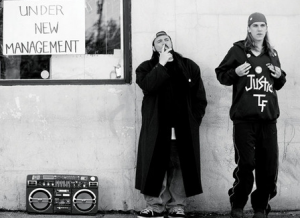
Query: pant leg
<point x="266" y="168"/>
<point x="175" y="181"/>
<point x="173" y="192"/>
<point x="244" y="138"/>
<point x="158" y="203"/>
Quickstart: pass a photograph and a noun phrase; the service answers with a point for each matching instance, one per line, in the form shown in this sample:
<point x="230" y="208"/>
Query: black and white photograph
<point x="149" y="108"/>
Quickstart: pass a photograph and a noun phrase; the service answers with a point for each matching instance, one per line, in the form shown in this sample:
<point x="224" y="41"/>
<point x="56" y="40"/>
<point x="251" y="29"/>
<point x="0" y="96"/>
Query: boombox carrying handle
<point x="84" y="201"/>
<point x="40" y="200"/>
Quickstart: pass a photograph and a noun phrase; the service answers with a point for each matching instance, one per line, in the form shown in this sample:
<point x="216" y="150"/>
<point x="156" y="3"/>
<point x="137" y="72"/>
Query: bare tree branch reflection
<point x="103" y="37"/>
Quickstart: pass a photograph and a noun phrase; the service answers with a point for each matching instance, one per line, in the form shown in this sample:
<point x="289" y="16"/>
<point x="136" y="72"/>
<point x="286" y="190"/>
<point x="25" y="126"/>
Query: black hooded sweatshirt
<point x="254" y="97"/>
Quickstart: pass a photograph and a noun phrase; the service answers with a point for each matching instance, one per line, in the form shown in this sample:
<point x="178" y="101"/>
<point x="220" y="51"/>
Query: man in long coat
<point x="168" y="161"/>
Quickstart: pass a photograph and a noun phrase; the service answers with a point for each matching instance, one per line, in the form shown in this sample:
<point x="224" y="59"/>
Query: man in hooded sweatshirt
<point x="253" y="68"/>
<point x="168" y="161"/>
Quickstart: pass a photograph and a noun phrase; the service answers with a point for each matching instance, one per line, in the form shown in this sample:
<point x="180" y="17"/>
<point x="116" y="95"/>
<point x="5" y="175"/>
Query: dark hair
<point x="250" y="44"/>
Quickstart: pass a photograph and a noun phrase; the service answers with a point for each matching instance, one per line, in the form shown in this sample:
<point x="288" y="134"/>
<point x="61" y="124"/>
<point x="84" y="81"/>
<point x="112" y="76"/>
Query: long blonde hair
<point x="250" y="44"/>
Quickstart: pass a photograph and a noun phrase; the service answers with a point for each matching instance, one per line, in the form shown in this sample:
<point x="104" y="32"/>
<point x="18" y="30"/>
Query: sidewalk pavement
<point x="12" y="214"/>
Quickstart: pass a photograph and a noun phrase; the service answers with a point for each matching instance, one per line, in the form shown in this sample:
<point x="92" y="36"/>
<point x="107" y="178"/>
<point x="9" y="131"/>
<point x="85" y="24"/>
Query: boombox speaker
<point x="62" y="194"/>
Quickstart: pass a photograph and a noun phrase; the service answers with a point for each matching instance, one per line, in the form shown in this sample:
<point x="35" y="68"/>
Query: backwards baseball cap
<point x="161" y="33"/>
<point x="256" y="17"/>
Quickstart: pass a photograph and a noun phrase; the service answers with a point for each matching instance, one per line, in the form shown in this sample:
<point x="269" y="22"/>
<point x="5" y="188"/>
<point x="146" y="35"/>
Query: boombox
<point x="62" y="194"/>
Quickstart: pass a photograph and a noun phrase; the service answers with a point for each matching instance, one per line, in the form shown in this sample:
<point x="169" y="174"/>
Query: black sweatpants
<point x="256" y="148"/>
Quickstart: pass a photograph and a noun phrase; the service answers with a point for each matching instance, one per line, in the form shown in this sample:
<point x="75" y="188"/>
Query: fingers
<point x="165" y="55"/>
<point x="271" y="67"/>
<point x="245" y="66"/>
<point x="275" y="71"/>
<point x="275" y="75"/>
<point x="245" y="69"/>
<point x="163" y="48"/>
<point x="168" y="50"/>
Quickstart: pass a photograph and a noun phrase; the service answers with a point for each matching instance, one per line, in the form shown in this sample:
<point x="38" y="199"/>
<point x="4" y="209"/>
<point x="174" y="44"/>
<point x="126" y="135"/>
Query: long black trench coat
<point x="152" y="159"/>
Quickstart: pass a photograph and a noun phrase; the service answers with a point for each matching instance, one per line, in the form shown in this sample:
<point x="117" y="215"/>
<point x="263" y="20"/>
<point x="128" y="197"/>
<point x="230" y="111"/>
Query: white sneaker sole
<point x="149" y="217"/>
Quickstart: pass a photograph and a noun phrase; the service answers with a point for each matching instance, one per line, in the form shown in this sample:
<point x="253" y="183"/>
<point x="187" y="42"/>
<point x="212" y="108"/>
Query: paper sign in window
<point x="44" y="27"/>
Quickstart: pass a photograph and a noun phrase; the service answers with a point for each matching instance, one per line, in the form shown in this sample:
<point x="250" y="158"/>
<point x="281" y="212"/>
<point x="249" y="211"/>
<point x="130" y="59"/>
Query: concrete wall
<point x="94" y="129"/>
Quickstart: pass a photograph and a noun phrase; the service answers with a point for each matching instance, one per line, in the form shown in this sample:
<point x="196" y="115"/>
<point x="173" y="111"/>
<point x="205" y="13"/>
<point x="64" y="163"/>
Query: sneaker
<point x="260" y="214"/>
<point x="236" y="213"/>
<point x="149" y="212"/>
<point x="177" y="213"/>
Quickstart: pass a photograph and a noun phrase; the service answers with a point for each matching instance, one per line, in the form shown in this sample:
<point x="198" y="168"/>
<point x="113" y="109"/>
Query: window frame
<point x="127" y="54"/>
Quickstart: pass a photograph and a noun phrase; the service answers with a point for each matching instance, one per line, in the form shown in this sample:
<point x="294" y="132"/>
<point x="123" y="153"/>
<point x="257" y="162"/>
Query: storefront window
<point x="105" y="57"/>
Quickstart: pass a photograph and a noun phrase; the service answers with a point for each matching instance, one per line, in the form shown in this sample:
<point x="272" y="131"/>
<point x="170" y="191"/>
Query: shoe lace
<point x="179" y="211"/>
<point x="147" y="210"/>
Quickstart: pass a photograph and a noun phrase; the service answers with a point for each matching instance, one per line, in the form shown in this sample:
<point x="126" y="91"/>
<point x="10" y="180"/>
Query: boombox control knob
<point x="93" y="178"/>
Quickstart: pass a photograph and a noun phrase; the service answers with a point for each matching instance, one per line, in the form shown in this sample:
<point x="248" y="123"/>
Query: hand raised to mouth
<point x="165" y="55"/>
